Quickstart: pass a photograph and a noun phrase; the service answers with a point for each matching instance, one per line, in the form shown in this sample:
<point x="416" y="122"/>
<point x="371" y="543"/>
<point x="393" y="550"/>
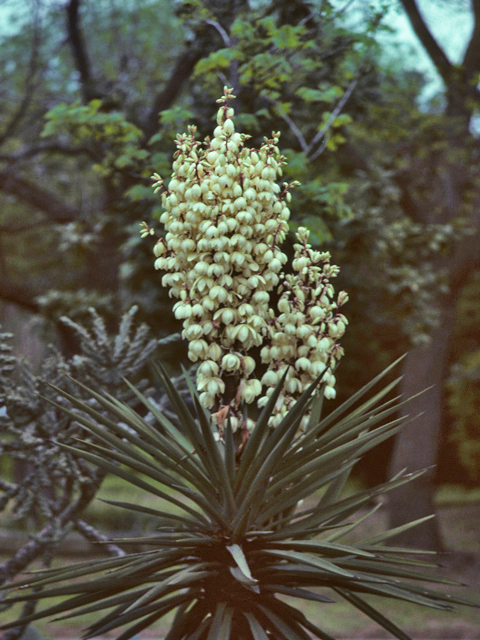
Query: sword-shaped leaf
<point x="256" y="628"/>
<point x="221" y="622"/>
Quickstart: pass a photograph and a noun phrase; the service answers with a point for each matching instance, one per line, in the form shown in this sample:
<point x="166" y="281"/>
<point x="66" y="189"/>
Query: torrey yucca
<point x="257" y="518"/>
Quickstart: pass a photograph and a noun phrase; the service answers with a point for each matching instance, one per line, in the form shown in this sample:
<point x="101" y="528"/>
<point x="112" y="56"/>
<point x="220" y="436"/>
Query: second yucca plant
<point x="248" y="509"/>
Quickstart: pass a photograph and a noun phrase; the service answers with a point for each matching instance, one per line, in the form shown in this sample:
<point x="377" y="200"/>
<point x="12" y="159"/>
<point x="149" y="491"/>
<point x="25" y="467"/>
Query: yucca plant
<point x="248" y="508"/>
<point x="237" y="538"/>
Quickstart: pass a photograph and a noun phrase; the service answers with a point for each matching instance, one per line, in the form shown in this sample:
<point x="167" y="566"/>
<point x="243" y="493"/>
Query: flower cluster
<point x="303" y="339"/>
<point x="225" y="219"/>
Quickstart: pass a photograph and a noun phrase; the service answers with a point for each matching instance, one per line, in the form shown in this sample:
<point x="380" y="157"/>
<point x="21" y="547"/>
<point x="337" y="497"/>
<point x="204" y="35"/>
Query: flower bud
<point x="303" y="364"/>
<point x="209" y="368"/>
<point x="293" y="386"/>
<point x="316" y="312"/>
<point x="265" y="355"/>
<point x="215" y="386"/>
<point x="207" y="400"/>
<point x="248" y="365"/>
<point x="192" y="332"/>
<point x="231" y="362"/>
<point x="270" y="379"/>
<point x="332" y="330"/>
<point x="329" y="393"/>
<point x="197" y="349"/>
<point x="304" y="331"/>
<point x="324" y="344"/>
<point x="214" y="351"/>
<point x="159" y="249"/>
<point x="228" y="127"/>
<point x="340" y="328"/>
<point x="342" y="298"/>
<point x="312" y="341"/>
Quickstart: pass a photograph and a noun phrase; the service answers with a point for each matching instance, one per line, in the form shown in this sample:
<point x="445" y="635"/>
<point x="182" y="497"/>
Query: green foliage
<point x="176" y="118"/>
<point x="88" y="122"/>
<point x="115" y="140"/>
<point x="241" y="539"/>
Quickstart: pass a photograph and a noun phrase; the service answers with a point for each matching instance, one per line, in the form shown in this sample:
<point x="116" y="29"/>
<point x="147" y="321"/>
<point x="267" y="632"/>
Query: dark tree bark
<point x="208" y="36"/>
<point x="33" y="195"/>
<point x="22" y="296"/>
<point x="79" y="51"/>
<point x="181" y="71"/>
<point x="417" y="445"/>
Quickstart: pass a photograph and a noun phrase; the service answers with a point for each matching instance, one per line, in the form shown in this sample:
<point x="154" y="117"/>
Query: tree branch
<point x="471" y="60"/>
<point x="92" y="535"/>
<point x="21" y="295"/>
<point x="30" y="152"/>
<point x="181" y="71"/>
<point x="79" y="51"/>
<point x="26" y="226"/>
<point x="29" y="193"/>
<point x="335" y="113"/>
<point x="307" y="148"/>
<point x="224" y="35"/>
<point x="17" y="632"/>
<point x="436" y="53"/>
<point x="55" y="147"/>
<point x="293" y="127"/>
<point x="46" y="537"/>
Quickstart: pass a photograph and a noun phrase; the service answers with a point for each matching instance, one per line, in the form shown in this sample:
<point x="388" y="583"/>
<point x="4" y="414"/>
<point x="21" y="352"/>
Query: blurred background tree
<point x="93" y="94"/>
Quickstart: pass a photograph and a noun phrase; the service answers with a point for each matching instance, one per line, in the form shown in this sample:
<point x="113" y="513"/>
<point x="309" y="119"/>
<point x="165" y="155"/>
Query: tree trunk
<point x="416" y="447"/>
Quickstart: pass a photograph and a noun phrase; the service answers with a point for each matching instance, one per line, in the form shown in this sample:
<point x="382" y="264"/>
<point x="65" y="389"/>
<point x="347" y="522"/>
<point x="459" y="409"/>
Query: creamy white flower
<point x="231" y="362"/>
<point x="329" y="393"/>
<point x="225" y="220"/>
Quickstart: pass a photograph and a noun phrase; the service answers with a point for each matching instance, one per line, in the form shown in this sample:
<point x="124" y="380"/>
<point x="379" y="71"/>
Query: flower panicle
<point x="226" y="218"/>
<point x="304" y="338"/>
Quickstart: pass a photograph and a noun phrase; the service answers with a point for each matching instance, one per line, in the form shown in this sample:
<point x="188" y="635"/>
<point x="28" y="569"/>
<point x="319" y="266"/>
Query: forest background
<point x="92" y="95"/>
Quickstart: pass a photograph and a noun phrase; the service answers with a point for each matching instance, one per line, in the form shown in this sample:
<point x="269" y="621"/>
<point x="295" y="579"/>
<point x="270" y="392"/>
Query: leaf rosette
<point x="234" y="537"/>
